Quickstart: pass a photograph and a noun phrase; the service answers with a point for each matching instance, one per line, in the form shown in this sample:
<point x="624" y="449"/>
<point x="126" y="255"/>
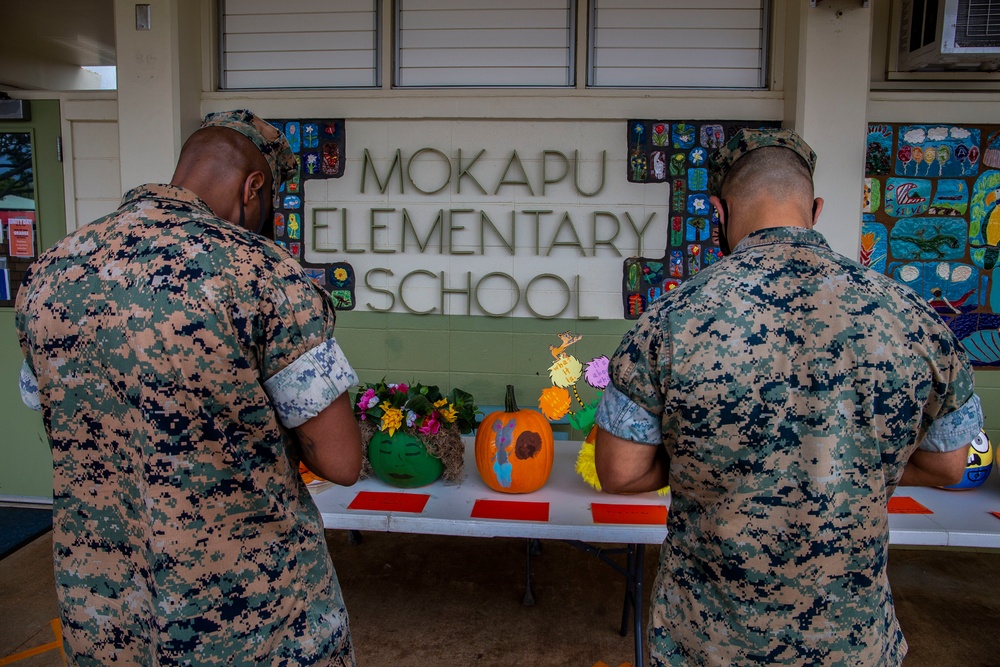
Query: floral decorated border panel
<point x="319" y="145"/>
<point x="931" y="221"/>
<point x="675" y="152"/>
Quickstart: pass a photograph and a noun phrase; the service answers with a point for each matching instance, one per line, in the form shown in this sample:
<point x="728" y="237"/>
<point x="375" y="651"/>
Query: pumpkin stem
<point x="509" y="404"/>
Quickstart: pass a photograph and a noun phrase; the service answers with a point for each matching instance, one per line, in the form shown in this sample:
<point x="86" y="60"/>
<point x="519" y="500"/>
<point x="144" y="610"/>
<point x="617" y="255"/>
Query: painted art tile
<point x="874" y="244"/>
<point x="937" y="150"/>
<point x="951" y="197"/>
<point x="907" y="196"/>
<point x="872" y="196"/>
<point x="929" y="238"/>
<point x="991" y="155"/>
<point x="878" y="156"/>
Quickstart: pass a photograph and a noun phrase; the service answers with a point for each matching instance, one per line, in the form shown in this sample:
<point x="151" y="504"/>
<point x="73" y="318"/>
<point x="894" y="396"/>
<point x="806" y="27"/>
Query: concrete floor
<point x="434" y="601"/>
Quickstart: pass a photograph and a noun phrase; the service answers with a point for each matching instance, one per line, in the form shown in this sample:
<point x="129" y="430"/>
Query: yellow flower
<point x="449" y="414"/>
<point x="441" y="403"/>
<point x="565" y="371"/>
<point x="392" y="418"/>
<point x="340" y="274"/>
<point x="554" y="403"/>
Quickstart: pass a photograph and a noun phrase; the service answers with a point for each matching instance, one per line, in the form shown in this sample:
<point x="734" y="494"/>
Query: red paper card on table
<point x="385" y="501"/>
<point x="515" y="510"/>
<point x="635" y="514"/>
<point x="906" y="505"/>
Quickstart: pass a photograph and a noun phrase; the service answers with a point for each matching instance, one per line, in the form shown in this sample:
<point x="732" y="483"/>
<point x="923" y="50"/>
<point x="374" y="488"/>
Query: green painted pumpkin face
<point x="402" y="460"/>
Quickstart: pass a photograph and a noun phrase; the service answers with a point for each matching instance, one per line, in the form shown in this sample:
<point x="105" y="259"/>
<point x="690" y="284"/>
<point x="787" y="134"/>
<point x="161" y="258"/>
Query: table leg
<point x="637" y="576"/>
<point x="629" y="603"/>
<point x="529" y="596"/>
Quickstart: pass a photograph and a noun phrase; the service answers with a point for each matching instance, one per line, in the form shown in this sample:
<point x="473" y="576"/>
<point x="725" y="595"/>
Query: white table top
<point x="450" y="505"/>
<point x="959" y="519"/>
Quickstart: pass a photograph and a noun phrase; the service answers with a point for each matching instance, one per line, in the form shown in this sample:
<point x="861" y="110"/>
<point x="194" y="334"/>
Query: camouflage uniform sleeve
<point x="956" y="429"/>
<point x="632" y="404"/>
<point x="29" y="387"/>
<point x="954" y="412"/>
<point x="305" y="369"/>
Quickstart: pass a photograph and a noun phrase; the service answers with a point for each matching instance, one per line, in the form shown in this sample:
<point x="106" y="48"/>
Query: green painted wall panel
<point x="26" y="468"/>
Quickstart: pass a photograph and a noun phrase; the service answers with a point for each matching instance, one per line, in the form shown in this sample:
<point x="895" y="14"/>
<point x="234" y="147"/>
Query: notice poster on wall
<point x="21" y="235"/>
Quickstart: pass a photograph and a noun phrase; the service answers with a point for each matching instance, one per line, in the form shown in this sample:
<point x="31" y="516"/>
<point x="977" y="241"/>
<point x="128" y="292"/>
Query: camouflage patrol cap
<point x="748" y="139"/>
<point x="266" y="137"/>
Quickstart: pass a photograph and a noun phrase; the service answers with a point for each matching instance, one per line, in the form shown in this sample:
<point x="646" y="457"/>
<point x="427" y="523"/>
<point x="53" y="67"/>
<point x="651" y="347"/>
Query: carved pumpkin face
<point x="514" y="449"/>
<point x="401" y="460"/>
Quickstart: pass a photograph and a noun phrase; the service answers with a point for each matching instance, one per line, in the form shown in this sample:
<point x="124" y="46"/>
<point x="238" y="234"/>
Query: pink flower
<point x="400" y="388"/>
<point x="430" y="425"/>
<point x="368" y="400"/>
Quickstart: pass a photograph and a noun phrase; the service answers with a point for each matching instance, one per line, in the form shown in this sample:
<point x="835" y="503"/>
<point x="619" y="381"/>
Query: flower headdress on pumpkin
<point x="555" y="402"/>
<point x="424" y="412"/>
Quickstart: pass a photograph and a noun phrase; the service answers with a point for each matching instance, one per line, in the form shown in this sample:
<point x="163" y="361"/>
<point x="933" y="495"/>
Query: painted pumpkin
<point x="979" y="464"/>
<point x="514" y="448"/>
<point x="402" y="460"/>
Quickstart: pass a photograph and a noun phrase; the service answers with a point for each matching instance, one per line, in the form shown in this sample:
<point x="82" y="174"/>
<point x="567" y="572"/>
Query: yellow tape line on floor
<point x="31" y="652"/>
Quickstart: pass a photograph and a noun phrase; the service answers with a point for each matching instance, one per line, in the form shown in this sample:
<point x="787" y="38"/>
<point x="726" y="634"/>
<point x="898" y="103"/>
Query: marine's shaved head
<point x="214" y="151"/>
<point x="769" y="186"/>
<point x="225" y="169"/>
<point x="771" y="173"/>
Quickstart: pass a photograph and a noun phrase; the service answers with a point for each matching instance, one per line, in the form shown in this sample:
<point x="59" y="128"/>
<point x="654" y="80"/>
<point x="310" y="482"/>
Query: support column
<point x="828" y="76"/>
<point x="159" y="86"/>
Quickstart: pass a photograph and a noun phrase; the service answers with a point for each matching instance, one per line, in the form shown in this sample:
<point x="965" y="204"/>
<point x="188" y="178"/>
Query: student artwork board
<point x="931" y="221"/>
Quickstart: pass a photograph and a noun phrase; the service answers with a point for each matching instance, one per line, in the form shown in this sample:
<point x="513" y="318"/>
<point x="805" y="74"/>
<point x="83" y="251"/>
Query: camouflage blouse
<point x="170" y="352"/>
<point x="789" y="386"/>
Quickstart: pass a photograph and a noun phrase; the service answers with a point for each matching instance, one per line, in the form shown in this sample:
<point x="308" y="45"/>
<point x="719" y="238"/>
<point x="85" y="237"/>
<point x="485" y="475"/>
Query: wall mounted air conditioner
<point x="948" y="34"/>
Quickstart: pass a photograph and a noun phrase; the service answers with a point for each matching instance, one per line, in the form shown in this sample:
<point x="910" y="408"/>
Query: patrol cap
<point x="748" y="139"/>
<point x="268" y="139"/>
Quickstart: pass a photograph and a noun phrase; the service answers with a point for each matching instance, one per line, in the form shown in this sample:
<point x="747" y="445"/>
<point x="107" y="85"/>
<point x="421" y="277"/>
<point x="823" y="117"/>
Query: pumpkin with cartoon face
<point x="979" y="464"/>
<point x="402" y="460"/>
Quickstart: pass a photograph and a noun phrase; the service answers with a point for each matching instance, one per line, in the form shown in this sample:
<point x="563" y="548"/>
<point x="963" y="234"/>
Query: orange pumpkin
<point x="514" y="448"/>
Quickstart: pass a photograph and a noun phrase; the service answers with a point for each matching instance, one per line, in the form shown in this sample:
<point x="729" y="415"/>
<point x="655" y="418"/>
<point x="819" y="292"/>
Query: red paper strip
<point x="389" y="502"/>
<point x="515" y="510"/>
<point x="996" y="514"/>
<point x="906" y="505"/>
<point x="645" y="514"/>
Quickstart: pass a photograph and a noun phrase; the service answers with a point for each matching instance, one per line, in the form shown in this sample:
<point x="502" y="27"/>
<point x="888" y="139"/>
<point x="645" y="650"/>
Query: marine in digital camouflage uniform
<point x="787" y="387"/>
<point x="171" y="352"/>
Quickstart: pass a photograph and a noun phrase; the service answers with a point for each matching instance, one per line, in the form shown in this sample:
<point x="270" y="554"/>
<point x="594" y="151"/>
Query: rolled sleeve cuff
<point x="309" y="384"/>
<point x="29" y="387"/>
<point x="623" y="418"/>
<point x="956" y="429"/>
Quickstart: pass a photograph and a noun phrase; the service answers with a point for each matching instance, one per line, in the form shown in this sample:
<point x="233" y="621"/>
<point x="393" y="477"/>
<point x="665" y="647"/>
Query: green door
<point x="25" y="458"/>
